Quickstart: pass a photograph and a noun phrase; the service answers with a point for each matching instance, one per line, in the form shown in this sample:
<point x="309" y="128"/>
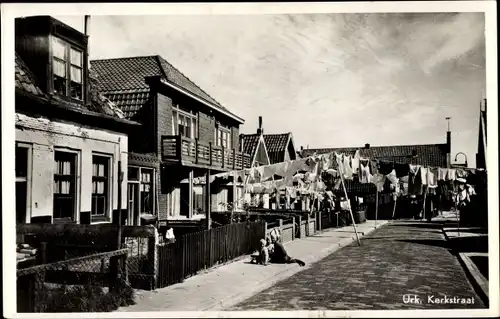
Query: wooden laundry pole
<point x="350" y="209"/>
<point x="394" y="208"/>
<point x="376" y="207"/>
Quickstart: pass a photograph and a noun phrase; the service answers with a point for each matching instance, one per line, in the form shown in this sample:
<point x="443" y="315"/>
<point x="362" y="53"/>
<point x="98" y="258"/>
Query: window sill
<point x="63" y="221"/>
<point x="99" y="219"/>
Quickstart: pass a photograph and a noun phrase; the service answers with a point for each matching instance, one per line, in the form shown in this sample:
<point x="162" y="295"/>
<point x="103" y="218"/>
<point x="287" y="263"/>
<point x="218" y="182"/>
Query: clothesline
<point x="348" y="165"/>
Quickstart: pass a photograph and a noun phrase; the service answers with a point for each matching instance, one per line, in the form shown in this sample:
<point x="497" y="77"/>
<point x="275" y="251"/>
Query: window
<point x="146" y="191"/>
<point x="184" y="123"/>
<point x="64" y="185"/>
<point x="100" y="185"/>
<point x="222" y="136"/>
<point x="22" y="180"/>
<point x="67" y="64"/>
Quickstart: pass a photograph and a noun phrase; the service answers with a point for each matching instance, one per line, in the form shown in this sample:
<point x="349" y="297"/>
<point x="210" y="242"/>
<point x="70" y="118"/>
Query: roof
<point x="277" y="145"/>
<point x="26" y="82"/>
<point x="433" y="155"/>
<point x="250" y="143"/>
<point x="122" y="80"/>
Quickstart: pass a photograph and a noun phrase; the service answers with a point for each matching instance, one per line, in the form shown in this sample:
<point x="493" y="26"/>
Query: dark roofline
<point x="379" y="146"/>
<point x="73" y="109"/>
<point x="212" y="106"/>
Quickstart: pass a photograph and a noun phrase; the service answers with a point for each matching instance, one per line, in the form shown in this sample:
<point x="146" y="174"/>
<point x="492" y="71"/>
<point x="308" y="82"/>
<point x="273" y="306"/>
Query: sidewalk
<point x="227" y="285"/>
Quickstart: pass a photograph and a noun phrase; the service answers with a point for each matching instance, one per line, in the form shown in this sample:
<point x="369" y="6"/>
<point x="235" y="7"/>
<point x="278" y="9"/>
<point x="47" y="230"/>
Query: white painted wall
<point x="45" y="135"/>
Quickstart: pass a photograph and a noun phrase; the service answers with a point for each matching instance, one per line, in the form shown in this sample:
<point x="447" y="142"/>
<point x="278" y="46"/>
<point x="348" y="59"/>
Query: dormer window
<point x="67" y="66"/>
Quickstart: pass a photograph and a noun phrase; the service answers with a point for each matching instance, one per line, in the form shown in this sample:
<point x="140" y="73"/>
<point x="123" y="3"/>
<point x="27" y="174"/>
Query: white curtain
<point x="175" y="202"/>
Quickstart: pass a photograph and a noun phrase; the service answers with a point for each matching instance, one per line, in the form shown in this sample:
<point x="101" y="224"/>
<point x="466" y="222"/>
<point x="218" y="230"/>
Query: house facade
<point x="70" y="141"/>
<point x="185" y="136"/>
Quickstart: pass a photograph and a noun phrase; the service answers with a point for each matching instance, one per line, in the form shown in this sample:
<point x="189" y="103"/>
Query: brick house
<point x="187" y="133"/>
<point x="70" y="140"/>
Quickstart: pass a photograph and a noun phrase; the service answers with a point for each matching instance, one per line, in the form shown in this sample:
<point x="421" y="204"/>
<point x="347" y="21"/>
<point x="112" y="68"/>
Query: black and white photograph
<point x="250" y="159"/>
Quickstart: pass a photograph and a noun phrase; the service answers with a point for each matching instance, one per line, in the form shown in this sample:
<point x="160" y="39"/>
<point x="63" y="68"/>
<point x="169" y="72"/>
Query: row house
<point x="70" y="140"/>
<point x="266" y="149"/>
<point x="186" y="135"/>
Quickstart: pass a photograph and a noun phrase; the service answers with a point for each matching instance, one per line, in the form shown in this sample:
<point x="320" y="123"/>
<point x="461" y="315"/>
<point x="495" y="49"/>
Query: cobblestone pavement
<point x="395" y="260"/>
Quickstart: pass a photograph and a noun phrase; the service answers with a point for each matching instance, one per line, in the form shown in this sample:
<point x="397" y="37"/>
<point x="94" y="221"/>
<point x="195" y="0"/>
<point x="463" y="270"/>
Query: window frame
<point x="68" y="64"/>
<point x="139" y="182"/>
<point x="191" y="116"/>
<point x="77" y="196"/>
<point x="108" y="188"/>
<point x="28" y="178"/>
<point x="219" y="130"/>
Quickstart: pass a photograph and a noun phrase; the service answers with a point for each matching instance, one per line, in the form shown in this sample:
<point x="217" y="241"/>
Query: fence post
<point x="113" y="273"/>
<point x="43" y="252"/>
<point x="293" y="228"/>
<point x="319" y="221"/>
<point x="280" y="228"/>
<point x="300" y="226"/>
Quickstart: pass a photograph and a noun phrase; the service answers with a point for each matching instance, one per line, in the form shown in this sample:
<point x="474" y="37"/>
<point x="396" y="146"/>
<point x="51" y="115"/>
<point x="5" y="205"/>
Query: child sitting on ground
<point x="263" y="257"/>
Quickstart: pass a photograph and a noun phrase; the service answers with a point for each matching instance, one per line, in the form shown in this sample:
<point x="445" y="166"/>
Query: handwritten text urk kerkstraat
<point x="439" y="299"/>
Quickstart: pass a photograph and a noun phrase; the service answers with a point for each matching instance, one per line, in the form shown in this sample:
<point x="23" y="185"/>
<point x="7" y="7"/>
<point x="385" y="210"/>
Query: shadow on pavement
<point x="428" y="242"/>
<point x="431" y="225"/>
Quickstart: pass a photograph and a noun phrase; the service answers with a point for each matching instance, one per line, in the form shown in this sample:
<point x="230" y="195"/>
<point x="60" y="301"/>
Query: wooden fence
<point x="197" y="251"/>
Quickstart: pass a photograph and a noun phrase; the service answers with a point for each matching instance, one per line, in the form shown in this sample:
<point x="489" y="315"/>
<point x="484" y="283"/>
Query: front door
<point x="133" y="204"/>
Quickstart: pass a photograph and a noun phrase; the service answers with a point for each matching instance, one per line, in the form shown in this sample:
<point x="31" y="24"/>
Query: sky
<point x="333" y="80"/>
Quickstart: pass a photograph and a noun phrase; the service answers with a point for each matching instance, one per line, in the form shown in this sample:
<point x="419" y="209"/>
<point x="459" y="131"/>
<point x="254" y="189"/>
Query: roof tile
<point x="250" y="143"/>
<point x="123" y="81"/>
<point x="276" y="145"/>
<point x="433" y="155"/>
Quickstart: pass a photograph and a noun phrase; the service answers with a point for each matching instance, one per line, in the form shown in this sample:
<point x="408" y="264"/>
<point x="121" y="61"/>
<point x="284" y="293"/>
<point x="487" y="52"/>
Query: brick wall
<point x="164" y="118"/>
<point x="235" y="137"/>
<point x="164" y="127"/>
<point x="206" y="128"/>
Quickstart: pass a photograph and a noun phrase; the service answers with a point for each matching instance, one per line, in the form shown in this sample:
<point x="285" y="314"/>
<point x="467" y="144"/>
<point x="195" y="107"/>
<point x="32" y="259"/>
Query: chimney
<point x="367" y="146"/>
<point x="260" y="130"/>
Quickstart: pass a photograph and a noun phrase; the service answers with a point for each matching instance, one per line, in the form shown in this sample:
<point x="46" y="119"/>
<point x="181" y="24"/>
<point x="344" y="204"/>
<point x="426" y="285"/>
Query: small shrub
<point x="88" y="298"/>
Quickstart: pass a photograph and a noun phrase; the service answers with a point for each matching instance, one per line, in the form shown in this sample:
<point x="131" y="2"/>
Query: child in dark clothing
<point x="280" y="255"/>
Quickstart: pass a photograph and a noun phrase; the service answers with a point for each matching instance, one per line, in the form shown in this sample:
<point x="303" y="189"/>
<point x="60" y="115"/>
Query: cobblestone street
<point x="399" y="259"/>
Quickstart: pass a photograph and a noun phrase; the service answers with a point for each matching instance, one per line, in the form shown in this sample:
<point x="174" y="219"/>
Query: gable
<point x="261" y="156"/>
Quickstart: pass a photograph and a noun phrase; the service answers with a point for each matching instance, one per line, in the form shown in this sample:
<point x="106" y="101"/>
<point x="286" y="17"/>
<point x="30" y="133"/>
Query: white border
<point x="9" y="11"/>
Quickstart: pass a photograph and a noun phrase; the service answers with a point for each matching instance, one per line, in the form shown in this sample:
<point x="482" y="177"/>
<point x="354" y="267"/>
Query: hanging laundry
<point x="414" y="180"/>
<point x="364" y="174"/>
<point x="452" y="174"/>
<point x="423" y="175"/>
<point x="432" y="177"/>
<point x="347" y="167"/>
<point x="392" y="177"/>
<point x="442" y="173"/>
<point x="355" y="162"/>
<point x="401" y="170"/>
<point x="374" y="167"/>
<point x="379" y="181"/>
<point x="461" y="173"/>
<point x="385" y="168"/>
